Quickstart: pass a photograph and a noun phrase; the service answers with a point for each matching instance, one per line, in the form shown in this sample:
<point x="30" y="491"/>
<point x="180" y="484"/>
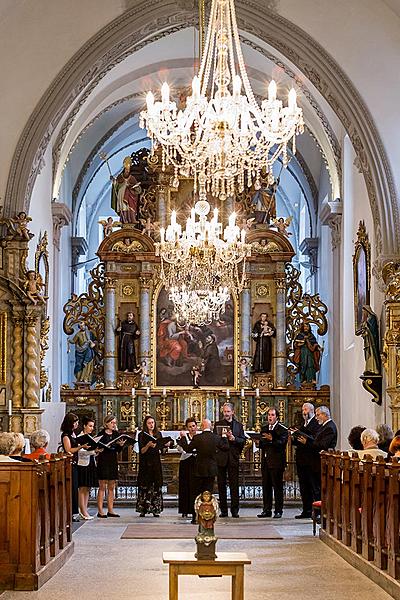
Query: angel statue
<point x="33" y="287"/>
<point x="18" y="225"/>
<point x="108" y="225"/>
<point x="282" y="224"/>
<point x="150" y="228"/>
<point x="206" y="507"/>
<point x="246" y="224"/>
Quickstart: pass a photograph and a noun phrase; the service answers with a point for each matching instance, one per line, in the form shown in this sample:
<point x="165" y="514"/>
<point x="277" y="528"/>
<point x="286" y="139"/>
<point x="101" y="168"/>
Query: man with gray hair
<point x="304" y="460"/>
<point x="369" y="441"/>
<point x="325" y="439"/>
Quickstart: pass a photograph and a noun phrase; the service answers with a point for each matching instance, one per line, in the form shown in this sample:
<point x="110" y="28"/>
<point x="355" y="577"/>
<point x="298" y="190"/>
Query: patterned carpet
<point x="242" y="530"/>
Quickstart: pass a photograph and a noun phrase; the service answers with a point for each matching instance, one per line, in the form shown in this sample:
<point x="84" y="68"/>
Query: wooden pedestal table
<point x="226" y="563"/>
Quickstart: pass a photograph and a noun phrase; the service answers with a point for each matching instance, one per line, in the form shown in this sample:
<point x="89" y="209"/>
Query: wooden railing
<point x="361" y="506"/>
<point x="35" y="521"/>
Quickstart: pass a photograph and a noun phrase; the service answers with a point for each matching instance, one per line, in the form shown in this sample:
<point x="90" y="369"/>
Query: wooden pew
<point x="34" y="538"/>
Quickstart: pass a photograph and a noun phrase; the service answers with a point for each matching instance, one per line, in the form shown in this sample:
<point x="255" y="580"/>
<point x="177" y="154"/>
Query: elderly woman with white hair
<point x="369" y="440"/>
<point x="11" y="446"/>
<point x="39" y="441"/>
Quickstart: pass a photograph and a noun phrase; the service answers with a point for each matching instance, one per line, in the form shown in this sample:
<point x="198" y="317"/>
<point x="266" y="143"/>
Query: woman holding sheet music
<point x="87" y="471"/>
<point x="107" y="467"/>
<point x="71" y="445"/>
<point x="149" y="481"/>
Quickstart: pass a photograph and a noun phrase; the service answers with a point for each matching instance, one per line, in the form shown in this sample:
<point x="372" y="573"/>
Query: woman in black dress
<point x="149" y="481"/>
<point x="187" y="490"/>
<point x="107" y="467"/>
<point x="87" y="471"/>
<point x="71" y="445"/>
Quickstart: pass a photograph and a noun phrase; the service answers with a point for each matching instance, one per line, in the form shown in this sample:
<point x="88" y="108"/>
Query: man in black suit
<point x="273" y="441"/>
<point x="325" y="439"/>
<point x="304" y="460"/>
<point x="228" y="462"/>
<point x="205" y="446"/>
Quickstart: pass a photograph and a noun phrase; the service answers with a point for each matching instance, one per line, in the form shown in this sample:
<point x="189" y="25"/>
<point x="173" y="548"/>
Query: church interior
<point x="199" y="209"/>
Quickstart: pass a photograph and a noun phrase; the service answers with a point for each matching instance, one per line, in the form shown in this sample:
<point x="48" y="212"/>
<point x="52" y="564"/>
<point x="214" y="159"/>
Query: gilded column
<point x="391" y="350"/>
<point x="110" y="354"/>
<point x="32" y="357"/>
<point x="281" y="359"/>
<point x="145" y="324"/>
<point x="17" y="354"/>
<point x="163" y="203"/>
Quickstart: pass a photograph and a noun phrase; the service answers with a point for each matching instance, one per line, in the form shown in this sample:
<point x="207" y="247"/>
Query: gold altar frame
<point x="156" y="291"/>
<point x="361" y="273"/>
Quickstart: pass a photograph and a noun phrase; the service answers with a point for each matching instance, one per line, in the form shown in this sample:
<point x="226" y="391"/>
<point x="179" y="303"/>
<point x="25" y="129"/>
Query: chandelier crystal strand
<point x="225" y="140"/>
<point x="200" y="264"/>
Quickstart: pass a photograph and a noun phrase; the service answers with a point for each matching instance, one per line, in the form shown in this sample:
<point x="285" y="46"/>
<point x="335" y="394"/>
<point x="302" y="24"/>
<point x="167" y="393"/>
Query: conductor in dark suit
<point x="273" y="441"/>
<point x="325" y="439"/>
<point x="205" y="446"/>
<point x="228" y="462"/>
<point x="304" y="459"/>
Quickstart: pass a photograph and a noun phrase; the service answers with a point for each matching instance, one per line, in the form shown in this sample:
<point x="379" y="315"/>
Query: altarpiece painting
<point x="181" y="348"/>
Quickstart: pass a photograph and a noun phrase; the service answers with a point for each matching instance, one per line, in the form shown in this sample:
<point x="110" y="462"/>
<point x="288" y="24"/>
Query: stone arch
<point x="128" y="33"/>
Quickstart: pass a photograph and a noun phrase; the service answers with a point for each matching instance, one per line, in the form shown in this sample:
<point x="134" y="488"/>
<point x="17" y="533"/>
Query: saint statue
<point x="128" y="333"/>
<point x="84" y="353"/>
<point x="307" y="354"/>
<point x="125" y="193"/>
<point x="369" y="330"/>
<point x="263" y="332"/>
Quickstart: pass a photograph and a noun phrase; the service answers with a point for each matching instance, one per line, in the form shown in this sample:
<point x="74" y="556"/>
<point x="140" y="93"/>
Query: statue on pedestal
<point x="263" y="332"/>
<point x="128" y="333"/>
<point x="307" y="354"/>
<point x="84" y="354"/>
<point x="369" y="330"/>
<point x="206" y="507"/>
<point x="125" y="193"/>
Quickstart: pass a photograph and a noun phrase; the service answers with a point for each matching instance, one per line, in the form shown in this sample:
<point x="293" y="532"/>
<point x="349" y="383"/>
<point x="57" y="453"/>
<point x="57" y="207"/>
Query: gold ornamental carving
<point x="163" y="411"/>
<point x="32" y="384"/>
<point x="391" y="277"/>
<point x="127" y="246"/>
<point x="3" y="348"/>
<point x="264" y="247"/>
<point x="16" y="424"/>
<point x="44" y="346"/>
<point x="263" y="290"/>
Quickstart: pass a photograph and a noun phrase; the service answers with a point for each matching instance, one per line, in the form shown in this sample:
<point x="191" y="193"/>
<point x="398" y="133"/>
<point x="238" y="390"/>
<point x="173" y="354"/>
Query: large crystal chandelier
<point x="202" y="264"/>
<point x="224" y="140"/>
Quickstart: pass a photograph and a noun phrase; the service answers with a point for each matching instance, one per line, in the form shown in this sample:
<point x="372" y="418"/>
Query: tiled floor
<point x="298" y="567"/>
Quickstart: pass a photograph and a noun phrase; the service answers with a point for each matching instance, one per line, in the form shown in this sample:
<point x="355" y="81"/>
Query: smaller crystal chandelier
<point x="202" y="265"/>
<point x="222" y="137"/>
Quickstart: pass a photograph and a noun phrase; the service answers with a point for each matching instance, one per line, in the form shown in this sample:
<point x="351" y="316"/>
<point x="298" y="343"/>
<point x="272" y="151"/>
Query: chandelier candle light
<point x="200" y="264"/>
<point x="222" y="137"/>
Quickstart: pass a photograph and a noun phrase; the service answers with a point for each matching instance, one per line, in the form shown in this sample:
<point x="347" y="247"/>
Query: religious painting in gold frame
<point x="177" y="348"/>
<point x="361" y="273"/>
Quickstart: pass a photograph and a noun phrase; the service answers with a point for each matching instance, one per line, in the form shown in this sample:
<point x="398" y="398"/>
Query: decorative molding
<point x="331" y="215"/>
<point x="129" y="33"/>
<point x="62" y="216"/>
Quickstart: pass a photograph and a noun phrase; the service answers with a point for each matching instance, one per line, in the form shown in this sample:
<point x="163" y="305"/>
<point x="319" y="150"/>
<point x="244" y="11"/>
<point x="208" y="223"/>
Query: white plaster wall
<point x="54" y="31"/>
<point x="356" y="405"/>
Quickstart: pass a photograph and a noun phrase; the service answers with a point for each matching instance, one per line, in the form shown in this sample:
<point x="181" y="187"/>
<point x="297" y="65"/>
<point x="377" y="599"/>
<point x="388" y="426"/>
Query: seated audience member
<point x="39" y="441"/>
<point x="7" y="446"/>
<point x="386" y="435"/>
<point x="19" y="443"/>
<point x="394" y="448"/>
<point x="369" y="440"/>
<point x="354" y="437"/>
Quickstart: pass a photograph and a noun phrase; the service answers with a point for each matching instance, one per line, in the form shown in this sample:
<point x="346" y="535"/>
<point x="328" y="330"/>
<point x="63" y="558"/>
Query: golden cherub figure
<point x="17" y="225"/>
<point x="150" y="228"/>
<point x="282" y="224"/>
<point x="33" y="287"/>
<point x="109" y="225"/>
